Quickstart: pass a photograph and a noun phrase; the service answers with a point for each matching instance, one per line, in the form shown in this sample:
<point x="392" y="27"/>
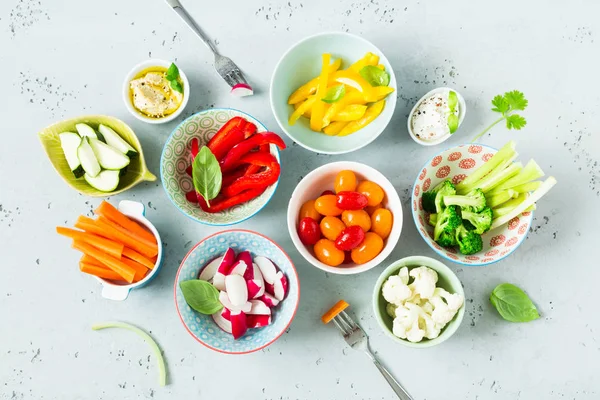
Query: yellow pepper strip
<point x="351" y="97"/>
<point x="352" y="79"/>
<point x="378" y="93"/>
<point x="306" y="113"/>
<point x="308" y="103"/>
<point x="372" y="112"/>
<point x="310" y="87"/>
<point x="366" y="60"/>
<point x="381" y="67"/>
<point x="318" y="111"/>
<point x="351" y="112"/>
<point x="374" y="60"/>
<point x="334" y="128"/>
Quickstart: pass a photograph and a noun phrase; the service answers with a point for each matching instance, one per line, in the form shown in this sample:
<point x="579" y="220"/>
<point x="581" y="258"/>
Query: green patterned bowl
<point x="176" y="158"/>
<point x="136" y="172"/>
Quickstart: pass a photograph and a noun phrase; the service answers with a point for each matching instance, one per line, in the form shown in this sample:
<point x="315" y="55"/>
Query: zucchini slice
<point x="108" y="157"/>
<point x="69" y="142"/>
<point x="105" y="181"/>
<point x="113" y="139"/>
<point x="87" y="158"/>
<point x="85" y="130"/>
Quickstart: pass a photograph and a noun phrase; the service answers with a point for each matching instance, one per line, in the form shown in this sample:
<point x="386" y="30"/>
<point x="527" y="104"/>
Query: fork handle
<point x="178" y="8"/>
<point x="398" y="389"/>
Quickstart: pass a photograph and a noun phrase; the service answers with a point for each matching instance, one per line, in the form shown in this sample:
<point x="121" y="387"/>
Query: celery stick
<point x="531" y="172"/>
<point x="506" y="152"/>
<point x="493" y="180"/>
<point x="495" y="199"/>
<point x="527" y="187"/>
<point x="508" y="206"/>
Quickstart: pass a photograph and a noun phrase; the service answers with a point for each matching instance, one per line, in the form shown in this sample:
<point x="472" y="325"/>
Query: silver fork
<point x="358" y="340"/>
<point x="224" y="66"/>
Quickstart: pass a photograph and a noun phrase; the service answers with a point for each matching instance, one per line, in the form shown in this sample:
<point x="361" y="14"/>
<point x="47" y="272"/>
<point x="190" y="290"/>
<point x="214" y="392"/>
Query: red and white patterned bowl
<point x="456" y="164"/>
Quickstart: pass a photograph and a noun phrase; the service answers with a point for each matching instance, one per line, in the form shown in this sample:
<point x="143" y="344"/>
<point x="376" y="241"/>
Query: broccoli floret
<point x="447" y="221"/>
<point x="474" y="201"/>
<point x="468" y="225"/>
<point x="432" y="219"/>
<point x="447" y="238"/>
<point x="469" y="242"/>
<point x="430" y="200"/>
<point x="481" y="221"/>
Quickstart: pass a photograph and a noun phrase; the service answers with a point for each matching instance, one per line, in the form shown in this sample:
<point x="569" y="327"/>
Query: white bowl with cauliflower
<point x="418" y="301"/>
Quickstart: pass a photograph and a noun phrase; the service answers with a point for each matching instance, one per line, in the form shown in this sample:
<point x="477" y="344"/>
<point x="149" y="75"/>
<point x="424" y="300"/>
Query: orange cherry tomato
<point x="381" y="222"/>
<point x="326" y="205"/>
<point x="345" y="181"/>
<point x="357" y="217"/>
<point x="327" y="253"/>
<point x="331" y="227"/>
<point x="368" y="249"/>
<point x="373" y="191"/>
<point x="371" y="209"/>
<point x="308" y="210"/>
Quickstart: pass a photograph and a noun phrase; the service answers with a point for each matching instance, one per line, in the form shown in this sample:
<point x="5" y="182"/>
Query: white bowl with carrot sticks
<point x="121" y="248"/>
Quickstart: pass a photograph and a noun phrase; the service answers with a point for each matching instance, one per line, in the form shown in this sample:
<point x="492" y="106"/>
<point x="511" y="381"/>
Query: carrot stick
<point x="91" y="260"/>
<point x="129" y="239"/>
<point x="135" y="256"/>
<point x="109" y="211"/>
<point x="334" y="311"/>
<point x="116" y="265"/>
<point x="89" y="225"/>
<point x="140" y="270"/>
<point x="108" y="246"/>
<point x="98" y="271"/>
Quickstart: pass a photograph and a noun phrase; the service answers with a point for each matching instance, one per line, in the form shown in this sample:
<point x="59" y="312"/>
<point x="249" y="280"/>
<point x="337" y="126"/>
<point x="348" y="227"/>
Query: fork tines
<point x="344" y="323"/>
<point x="234" y="77"/>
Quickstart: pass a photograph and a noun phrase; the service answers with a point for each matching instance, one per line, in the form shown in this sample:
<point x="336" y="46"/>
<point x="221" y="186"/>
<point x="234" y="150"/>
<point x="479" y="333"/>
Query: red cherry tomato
<point x="351" y="201"/>
<point x="327" y="192"/>
<point x="350" y="238"/>
<point x="309" y="231"/>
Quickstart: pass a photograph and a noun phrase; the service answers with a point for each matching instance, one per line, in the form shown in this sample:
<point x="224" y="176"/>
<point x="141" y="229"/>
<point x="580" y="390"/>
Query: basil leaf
<point x="375" y="76"/>
<point x="201" y="296"/>
<point x="452" y="101"/>
<point x="334" y="94"/>
<point x="172" y="72"/>
<point x="206" y="174"/>
<point x="513" y="304"/>
<point x="176" y="85"/>
<point x="452" y="123"/>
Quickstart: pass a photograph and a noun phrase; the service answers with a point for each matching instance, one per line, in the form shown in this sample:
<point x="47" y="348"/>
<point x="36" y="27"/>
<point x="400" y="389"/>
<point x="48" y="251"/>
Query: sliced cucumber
<point x="69" y="142"/>
<point x="108" y="157"/>
<point x="106" y="181"/>
<point x="113" y="139"/>
<point x="85" y="130"/>
<point x="87" y="158"/>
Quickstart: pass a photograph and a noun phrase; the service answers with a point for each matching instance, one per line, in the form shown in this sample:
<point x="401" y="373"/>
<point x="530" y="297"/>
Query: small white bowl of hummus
<point x="436" y="116"/>
<point x="154" y="93"/>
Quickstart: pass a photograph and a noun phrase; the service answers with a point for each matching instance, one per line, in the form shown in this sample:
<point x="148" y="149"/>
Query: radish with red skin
<point x="221" y="322"/>
<point x="258" y="321"/>
<point x="224" y="299"/>
<point x="259" y="308"/>
<point x="247" y="258"/>
<point x="208" y="272"/>
<point x="236" y="289"/>
<point x="226" y="313"/>
<point x="238" y="268"/>
<point x="242" y="90"/>
<point x="238" y="324"/>
<point x="227" y="262"/>
<point x="280" y="287"/>
<point x="254" y="290"/>
<point x="269" y="300"/>
<point x="267" y="268"/>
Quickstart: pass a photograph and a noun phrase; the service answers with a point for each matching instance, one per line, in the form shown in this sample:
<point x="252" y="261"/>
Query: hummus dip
<point x="152" y="95"/>
<point x="430" y="120"/>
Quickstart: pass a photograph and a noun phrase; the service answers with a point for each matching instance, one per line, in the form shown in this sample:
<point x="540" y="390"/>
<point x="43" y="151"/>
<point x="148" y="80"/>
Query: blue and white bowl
<point x="202" y="327"/>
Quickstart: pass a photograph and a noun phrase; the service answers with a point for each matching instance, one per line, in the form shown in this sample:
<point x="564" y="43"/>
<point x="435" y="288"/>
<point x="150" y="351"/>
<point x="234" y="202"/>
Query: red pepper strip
<point x="240" y="149"/>
<point x="225" y="203"/>
<point x="228" y="136"/>
<point x="265" y="148"/>
<point x="188" y="171"/>
<point x="252" y="169"/>
<point x="231" y="176"/>
<point x="249" y="129"/>
<point x="191" y="197"/>
<point x="195" y="147"/>
<point x="260" y="180"/>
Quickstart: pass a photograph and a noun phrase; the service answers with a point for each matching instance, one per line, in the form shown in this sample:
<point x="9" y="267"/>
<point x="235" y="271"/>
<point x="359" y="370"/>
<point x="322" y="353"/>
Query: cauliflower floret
<point x="403" y="274"/>
<point x="391" y="309"/>
<point x="425" y="280"/>
<point x="406" y="324"/>
<point x="395" y="291"/>
<point x="426" y="306"/>
<point x="445" y="306"/>
<point x="454" y="300"/>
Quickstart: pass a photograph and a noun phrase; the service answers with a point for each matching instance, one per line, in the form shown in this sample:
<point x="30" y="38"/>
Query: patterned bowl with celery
<point x="176" y="161"/>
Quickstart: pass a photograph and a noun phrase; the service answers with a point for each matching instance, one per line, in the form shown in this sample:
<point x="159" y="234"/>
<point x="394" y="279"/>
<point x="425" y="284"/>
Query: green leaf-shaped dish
<point x="136" y="172"/>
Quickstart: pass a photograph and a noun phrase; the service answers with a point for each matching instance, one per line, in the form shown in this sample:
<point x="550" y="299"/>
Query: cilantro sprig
<point x="506" y="105"/>
<point x="172" y="75"/>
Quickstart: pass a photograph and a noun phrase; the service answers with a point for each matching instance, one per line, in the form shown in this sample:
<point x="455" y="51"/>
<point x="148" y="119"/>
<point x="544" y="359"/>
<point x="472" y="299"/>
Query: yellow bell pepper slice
<point x="318" y="111"/>
<point x="304" y="107"/>
<point x="351" y="112"/>
<point x="381" y="67"/>
<point x="374" y="59"/>
<point x="368" y="59"/>
<point x="352" y="79"/>
<point x="351" y="97"/>
<point x="334" y="128"/>
<point x="310" y="87"/>
<point x="378" y="93"/>
<point x="372" y="112"/>
<point x="307" y="113"/>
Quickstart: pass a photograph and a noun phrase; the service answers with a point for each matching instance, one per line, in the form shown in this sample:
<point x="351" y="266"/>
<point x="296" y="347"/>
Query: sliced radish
<point x="257" y="321"/>
<point x="246" y="258"/>
<point x="241" y="90"/>
<point x="239" y="268"/>
<point x="280" y="287"/>
<point x="219" y="281"/>
<point x="254" y="289"/>
<point x="226" y="301"/>
<point x="225" y="313"/>
<point x="209" y="271"/>
<point x="236" y="288"/>
<point x="259" y="308"/>
<point x="238" y="324"/>
<point x="227" y="261"/>
<point x="222" y="322"/>
<point x="267" y="268"/>
<point x="270" y="289"/>
<point x="269" y="300"/>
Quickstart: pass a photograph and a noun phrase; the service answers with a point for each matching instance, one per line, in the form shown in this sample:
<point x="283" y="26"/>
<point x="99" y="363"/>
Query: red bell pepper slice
<point x="240" y="149"/>
<point x="260" y="180"/>
<point x="249" y="129"/>
<point x="189" y="171"/>
<point x="195" y="148"/>
<point x="252" y="169"/>
<point x="231" y="176"/>
<point x="192" y="197"/>
<point x="221" y="204"/>
<point x="228" y="136"/>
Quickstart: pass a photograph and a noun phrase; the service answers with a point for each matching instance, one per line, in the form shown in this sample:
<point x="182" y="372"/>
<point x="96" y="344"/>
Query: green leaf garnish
<point x="206" y="174"/>
<point x="334" y="94"/>
<point x="513" y="304"/>
<point x="452" y="101"/>
<point x="201" y="296"/>
<point x="172" y="72"/>
<point x="375" y="76"/>
<point x="452" y="123"/>
<point x="506" y="104"/>
<point x="176" y="85"/>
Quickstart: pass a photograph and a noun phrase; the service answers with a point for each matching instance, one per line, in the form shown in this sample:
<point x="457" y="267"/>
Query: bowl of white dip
<point x="436" y="116"/>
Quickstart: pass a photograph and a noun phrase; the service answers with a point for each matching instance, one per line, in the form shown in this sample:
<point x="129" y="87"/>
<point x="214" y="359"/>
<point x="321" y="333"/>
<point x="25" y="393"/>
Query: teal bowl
<point x="302" y="63"/>
<point x="446" y="280"/>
